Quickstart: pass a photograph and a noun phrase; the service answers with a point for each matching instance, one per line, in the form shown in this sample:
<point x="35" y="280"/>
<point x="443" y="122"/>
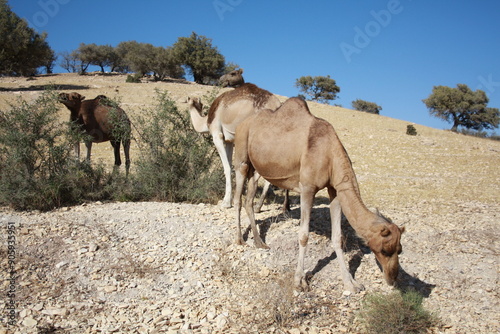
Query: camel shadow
<point x="43" y="87"/>
<point x="320" y="224"/>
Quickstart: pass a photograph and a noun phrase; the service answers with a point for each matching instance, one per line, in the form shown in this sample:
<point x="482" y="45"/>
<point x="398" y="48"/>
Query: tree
<point x="22" y="49"/>
<point x="320" y="88"/>
<point x="366" y="106"/>
<point x="163" y="64"/>
<point x="68" y="61"/>
<point x="462" y="107"/>
<point x="98" y="55"/>
<point x="203" y="61"/>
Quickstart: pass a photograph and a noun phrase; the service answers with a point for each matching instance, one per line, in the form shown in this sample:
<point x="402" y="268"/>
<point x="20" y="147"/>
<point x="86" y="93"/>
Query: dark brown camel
<point x="295" y="150"/>
<point x="93" y="116"/>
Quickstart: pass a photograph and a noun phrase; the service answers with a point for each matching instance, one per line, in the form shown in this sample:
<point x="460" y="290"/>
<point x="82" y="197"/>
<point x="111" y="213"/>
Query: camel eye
<point x="385" y="253"/>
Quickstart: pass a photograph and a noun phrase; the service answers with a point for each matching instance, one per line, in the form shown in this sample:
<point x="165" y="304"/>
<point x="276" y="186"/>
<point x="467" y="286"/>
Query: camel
<point x="93" y="117"/>
<point x="232" y="79"/>
<point x="295" y="150"/>
<point x="226" y="112"/>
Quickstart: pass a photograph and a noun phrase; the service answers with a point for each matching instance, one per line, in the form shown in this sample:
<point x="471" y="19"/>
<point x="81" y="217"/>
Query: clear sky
<point x="391" y="52"/>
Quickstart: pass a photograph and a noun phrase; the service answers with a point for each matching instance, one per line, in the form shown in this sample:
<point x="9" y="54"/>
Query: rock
<point x="55" y="311"/>
<point x="110" y="288"/>
<point x="29" y="322"/>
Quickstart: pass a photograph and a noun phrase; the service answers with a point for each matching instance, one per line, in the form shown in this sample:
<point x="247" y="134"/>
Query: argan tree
<point x="370" y="107"/>
<point x="22" y="49"/>
<point x="462" y="107"/>
<point x="203" y="60"/>
<point x="320" y="88"/>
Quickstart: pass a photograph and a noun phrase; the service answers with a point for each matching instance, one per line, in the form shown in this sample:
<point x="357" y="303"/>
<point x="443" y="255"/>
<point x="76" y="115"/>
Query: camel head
<point x="71" y="100"/>
<point x="194" y="102"/>
<point x="232" y="79"/>
<point x="385" y="244"/>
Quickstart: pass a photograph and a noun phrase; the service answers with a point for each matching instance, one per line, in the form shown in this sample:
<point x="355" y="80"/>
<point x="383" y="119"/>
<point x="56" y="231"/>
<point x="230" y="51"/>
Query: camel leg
<point x="116" y="149"/>
<point x="336" y="215"/>
<point x="224" y="150"/>
<point x="306" y="202"/>
<point x="259" y="205"/>
<point x="286" y="202"/>
<point x="89" y="149"/>
<point x="126" y="150"/>
<point x="241" y="175"/>
<point x="251" y="190"/>
<point x="77" y="150"/>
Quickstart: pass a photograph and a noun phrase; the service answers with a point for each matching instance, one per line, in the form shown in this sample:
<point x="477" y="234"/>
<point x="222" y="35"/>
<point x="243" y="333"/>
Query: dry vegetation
<point x="86" y="269"/>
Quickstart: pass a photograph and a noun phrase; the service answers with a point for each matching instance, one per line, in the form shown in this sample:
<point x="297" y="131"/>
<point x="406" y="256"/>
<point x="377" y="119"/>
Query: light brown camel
<point x="232" y="79"/>
<point x="226" y="112"/>
<point x="295" y="150"/>
<point x="93" y="116"/>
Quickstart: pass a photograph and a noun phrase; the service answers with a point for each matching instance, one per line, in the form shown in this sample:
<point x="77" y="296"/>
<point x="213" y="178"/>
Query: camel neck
<point x="199" y="122"/>
<point x="346" y="186"/>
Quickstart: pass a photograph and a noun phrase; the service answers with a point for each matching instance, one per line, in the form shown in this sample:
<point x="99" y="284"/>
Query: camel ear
<point x="82" y="97"/>
<point x="240" y="70"/>
<point x="385" y="232"/>
<point x="402" y="229"/>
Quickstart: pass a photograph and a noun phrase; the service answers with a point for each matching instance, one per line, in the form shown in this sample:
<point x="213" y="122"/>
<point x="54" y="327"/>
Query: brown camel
<point x="94" y="118"/>
<point x="226" y="112"/>
<point x="294" y="150"/>
<point x="232" y="79"/>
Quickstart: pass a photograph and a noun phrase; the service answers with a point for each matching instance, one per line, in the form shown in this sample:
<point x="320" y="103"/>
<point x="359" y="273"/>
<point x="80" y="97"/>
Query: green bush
<point x="133" y="78"/>
<point x="396" y="313"/>
<point x="410" y="130"/>
<point x="176" y="163"/>
<point x="37" y="165"/>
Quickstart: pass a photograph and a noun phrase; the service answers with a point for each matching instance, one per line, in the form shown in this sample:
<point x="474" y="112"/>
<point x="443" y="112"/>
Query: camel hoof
<point x="225" y="205"/>
<point x="354" y="287"/>
<point x="260" y="244"/>
<point x="241" y="242"/>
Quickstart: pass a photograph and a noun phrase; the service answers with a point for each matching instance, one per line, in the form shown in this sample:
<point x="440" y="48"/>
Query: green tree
<point x="22" y="49"/>
<point x="203" y="61"/>
<point x="320" y="88"/>
<point x="462" y="107"/>
<point x="366" y="106"/>
<point x="98" y="55"/>
<point x="163" y="64"/>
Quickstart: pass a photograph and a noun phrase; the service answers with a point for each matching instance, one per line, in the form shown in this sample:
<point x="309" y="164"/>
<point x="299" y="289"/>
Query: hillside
<point x="86" y="269"/>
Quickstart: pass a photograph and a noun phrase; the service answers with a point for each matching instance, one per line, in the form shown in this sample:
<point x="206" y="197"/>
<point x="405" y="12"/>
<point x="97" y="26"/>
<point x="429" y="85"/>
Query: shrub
<point x="37" y="168"/>
<point x="175" y="163"/>
<point x="134" y="78"/>
<point x="369" y="107"/>
<point x="410" y="130"/>
<point x="396" y="313"/>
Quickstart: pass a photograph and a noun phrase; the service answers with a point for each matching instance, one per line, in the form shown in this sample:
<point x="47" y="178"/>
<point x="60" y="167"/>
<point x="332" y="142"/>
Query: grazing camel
<point x="93" y="117"/>
<point x="226" y="112"/>
<point x="232" y="79"/>
<point x="294" y="150"/>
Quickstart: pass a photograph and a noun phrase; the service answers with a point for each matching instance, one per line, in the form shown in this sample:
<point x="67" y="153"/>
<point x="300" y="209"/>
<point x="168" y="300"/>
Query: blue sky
<point x="391" y="52"/>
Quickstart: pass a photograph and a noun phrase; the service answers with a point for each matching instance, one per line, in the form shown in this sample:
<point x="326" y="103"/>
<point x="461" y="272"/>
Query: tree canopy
<point x="370" y="107"/>
<point x="462" y="107"/>
<point x="320" y="88"/>
<point x="202" y="60"/>
<point x="22" y="49"/>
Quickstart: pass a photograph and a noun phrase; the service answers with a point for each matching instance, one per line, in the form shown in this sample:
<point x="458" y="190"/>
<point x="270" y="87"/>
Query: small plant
<point x="133" y="78"/>
<point x="396" y="313"/>
<point x="410" y="130"/>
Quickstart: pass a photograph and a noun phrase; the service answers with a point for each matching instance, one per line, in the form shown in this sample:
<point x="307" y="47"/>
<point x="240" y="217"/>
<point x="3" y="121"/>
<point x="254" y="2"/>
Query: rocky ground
<point x="173" y="268"/>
